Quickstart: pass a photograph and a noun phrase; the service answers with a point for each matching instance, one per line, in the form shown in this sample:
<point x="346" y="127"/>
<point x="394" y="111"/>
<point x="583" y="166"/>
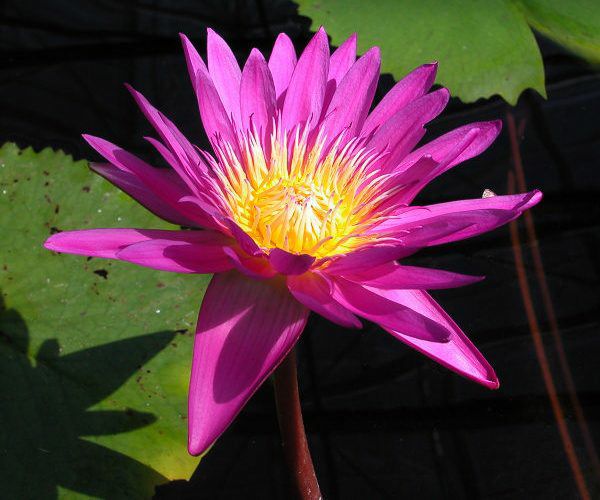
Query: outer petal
<point x="395" y="276"/>
<point x="403" y="130"/>
<point x="200" y="254"/>
<point x="440" y="148"/>
<point x="389" y="309"/>
<point x="155" y="180"/>
<point x="108" y="242"/>
<point x="245" y="329"/>
<point x="365" y="258"/>
<point x="245" y="241"/>
<point x="445" y="152"/>
<point x="189" y="165"/>
<point x="282" y="63"/>
<point x="456" y="220"/>
<point x="131" y="185"/>
<point x="411" y="87"/>
<point x="314" y="291"/>
<point x="340" y="62"/>
<point x="215" y="118"/>
<point x="305" y="93"/>
<point x="289" y="263"/>
<point x="458" y="353"/>
<point x="254" y="267"/>
<point x="257" y="94"/>
<point x="354" y="95"/>
<point x="193" y="60"/>
<point x="225" y="73"/>
<point x="342" y="59"/>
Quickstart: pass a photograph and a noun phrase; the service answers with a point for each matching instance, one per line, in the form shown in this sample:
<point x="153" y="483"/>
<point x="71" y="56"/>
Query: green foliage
<point x="484" y="48"/>
<point x="576" y="25"/>
<point x="94" y="354"/>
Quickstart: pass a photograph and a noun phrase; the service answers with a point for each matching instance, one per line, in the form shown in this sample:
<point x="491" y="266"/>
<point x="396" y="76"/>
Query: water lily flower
<point x="304" y="204"/>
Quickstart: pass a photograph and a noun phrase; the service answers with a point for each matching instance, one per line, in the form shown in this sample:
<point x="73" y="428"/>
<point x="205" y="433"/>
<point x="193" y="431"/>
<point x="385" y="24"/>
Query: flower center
<point x="315" y="199"/>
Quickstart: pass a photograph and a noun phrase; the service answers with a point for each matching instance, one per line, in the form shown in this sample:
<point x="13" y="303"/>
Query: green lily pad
<point x="576" y="25"/>
<point x="483" y="48"/>
<point x="94" y="354"/>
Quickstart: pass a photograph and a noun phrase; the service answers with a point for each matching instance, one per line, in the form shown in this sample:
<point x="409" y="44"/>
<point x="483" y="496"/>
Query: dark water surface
<point x="383" y="421"/>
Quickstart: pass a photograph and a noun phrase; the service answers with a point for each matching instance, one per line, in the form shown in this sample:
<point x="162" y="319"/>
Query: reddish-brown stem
<point x="291" y="426"/>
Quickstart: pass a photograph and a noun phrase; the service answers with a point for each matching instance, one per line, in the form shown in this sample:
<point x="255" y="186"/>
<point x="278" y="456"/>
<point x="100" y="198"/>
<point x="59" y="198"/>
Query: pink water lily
<point x="303" y="205"/>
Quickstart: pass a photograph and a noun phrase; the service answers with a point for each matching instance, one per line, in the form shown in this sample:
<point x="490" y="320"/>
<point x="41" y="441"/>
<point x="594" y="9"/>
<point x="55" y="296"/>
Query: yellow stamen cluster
<point x="302" y="198"/>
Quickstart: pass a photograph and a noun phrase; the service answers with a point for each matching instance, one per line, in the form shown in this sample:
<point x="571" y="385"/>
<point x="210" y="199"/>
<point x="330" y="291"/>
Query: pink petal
<point x="340" y="62"/>
<point x="458" y="353"/>
<point x="440" y="148"/>
<point x="155" y="179"/>
<point x="215" y="118"/>
<point x="342" y="59"/>
<point x="289" y="263"/>
<point x="193" y="60"/>
<point x="389" y="309"/>
<point x="202" y="252"/>
<point x="304" y="96"/>
<point x="364" y="258"/>
<point x="257" y="94"/>
<point x="131" y="185"/>
<point x="395" y="276"/>
<point x="404" y="129"/>
<point x="257" y="267"/>
<point x="225" y="74"/>
<point x="245" y="329"/>
<point x="189" y="165"/>
<point x="107" y="243"/>
<point x="354" y="95"/>
<point x="282" y="63"/>
<point x="456" y="220"/>
<point x="245" y="241"/>
<point x="411" y="87"/>
<point x="446" y="152"/>
<point x="314" y="291"/>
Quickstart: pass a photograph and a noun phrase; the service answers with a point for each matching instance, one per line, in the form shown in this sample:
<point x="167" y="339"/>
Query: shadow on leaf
<point x="45" y="416"/>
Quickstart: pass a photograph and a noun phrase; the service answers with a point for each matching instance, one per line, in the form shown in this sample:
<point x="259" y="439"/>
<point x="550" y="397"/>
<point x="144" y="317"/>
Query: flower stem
<point x="291" y="427"/>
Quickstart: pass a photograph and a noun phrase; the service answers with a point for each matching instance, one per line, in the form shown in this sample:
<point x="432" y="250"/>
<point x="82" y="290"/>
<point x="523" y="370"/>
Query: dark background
<point x="383" y="421"/>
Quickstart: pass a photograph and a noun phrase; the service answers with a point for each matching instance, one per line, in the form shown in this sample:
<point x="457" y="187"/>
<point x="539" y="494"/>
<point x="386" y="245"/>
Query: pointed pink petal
<point x="458" y="353"/>
<point x="395" y="276"/>
<point x="244" y="239"/>
<point x="404" y="129"/>
<point x="245" y="329"/>
<point x="282" y="63"/>
<point x="202" y="252"/>
<point x="342" y="59"/>
<point x="456" y="220"/>
<point x="446" y="151"/>
<point x="154" y="179"/>
<point x="193" y="60"/>
<point x="257" y="267"/>
<point x="304" y="96"/>
<point x="340" y="62"/>
<point x="314" y="291"/>
<point x="107" y="243"/>
<point x="215" y="118"/>
<point x="354" y="95"/>
<point x="440" y="148"/>
<point x="289" y="263"/>
<point x="389" y="309"/>
<point x="189" y="165"/>
<point x="411" y="87"/>
<point x="131" y="185"/>
<point x="225" y="73"/>
<point x="257" y="94"/>
<point x="365" y="258"/>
